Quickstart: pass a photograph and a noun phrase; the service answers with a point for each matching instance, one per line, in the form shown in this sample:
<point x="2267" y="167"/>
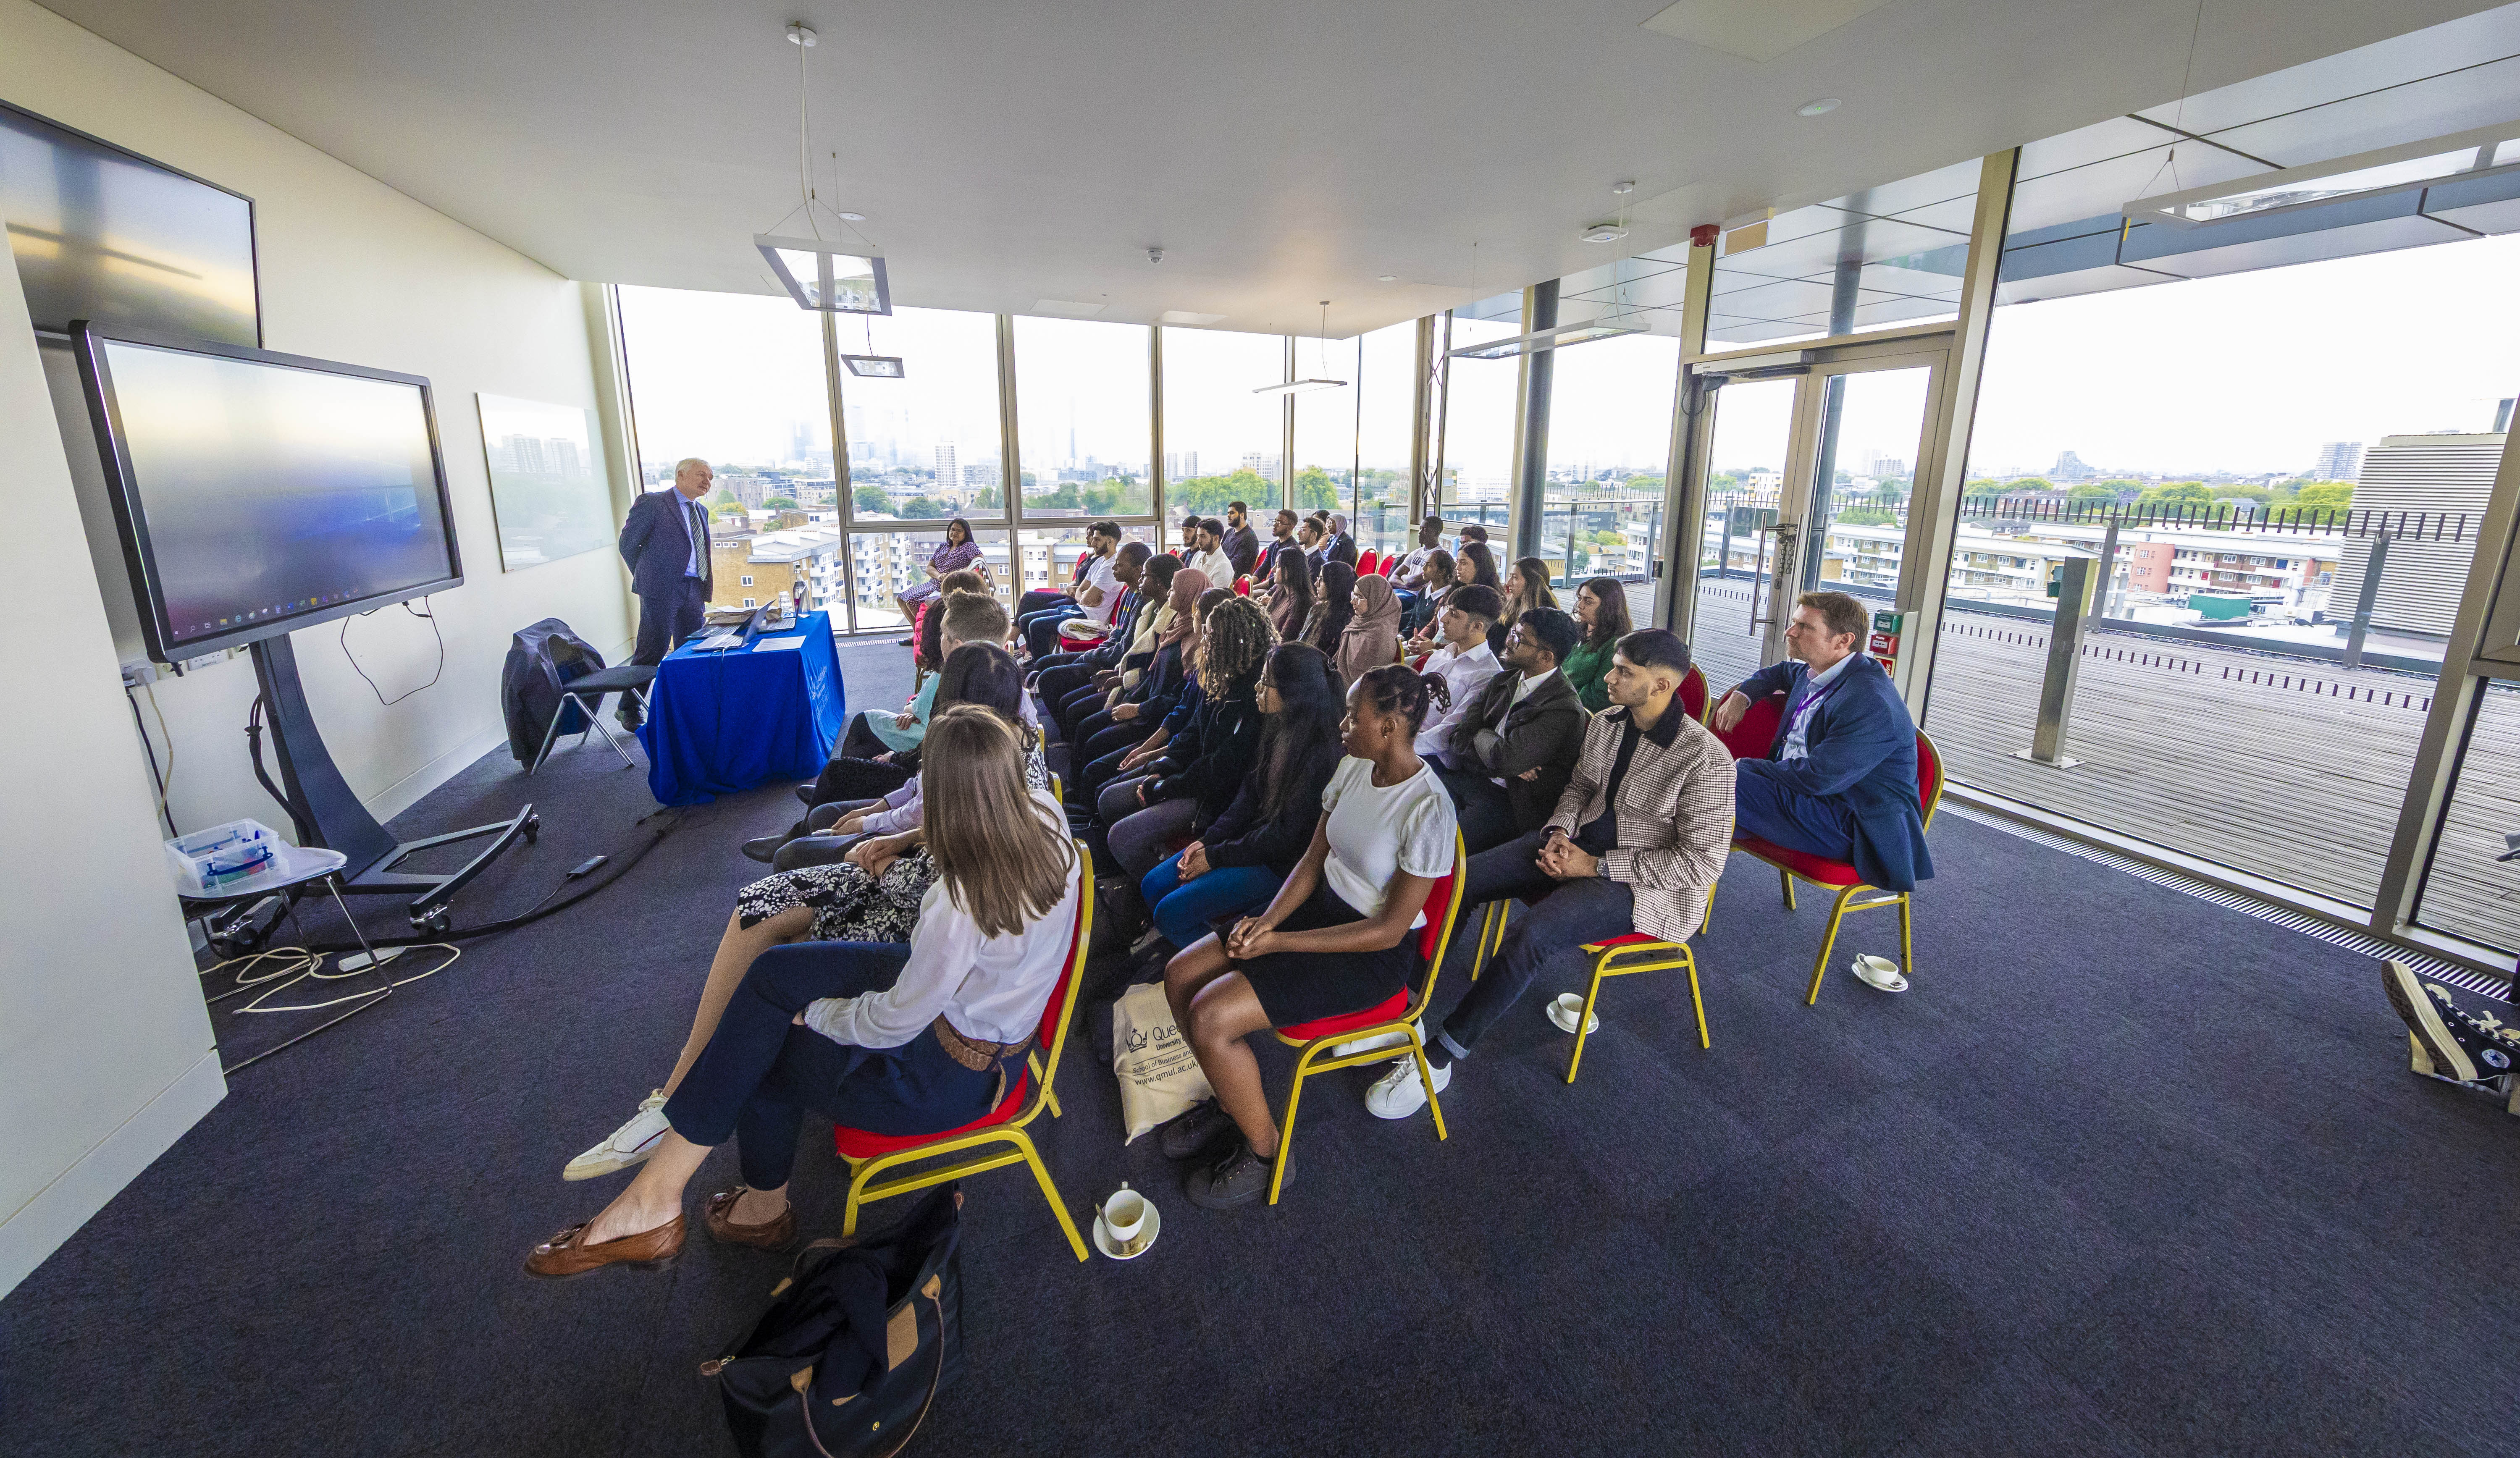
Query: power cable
<point x="432" y="616"/>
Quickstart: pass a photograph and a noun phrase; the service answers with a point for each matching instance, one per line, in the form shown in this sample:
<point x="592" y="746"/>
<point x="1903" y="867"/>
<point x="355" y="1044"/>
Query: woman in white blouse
<point x="879" y="1036"/>
<point x="1335" y="939"/>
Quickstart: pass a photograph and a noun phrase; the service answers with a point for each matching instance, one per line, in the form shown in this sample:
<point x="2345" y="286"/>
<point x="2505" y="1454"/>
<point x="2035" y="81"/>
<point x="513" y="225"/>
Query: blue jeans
<point x="1184" y="909"/>
<point x="1041" y="628"/>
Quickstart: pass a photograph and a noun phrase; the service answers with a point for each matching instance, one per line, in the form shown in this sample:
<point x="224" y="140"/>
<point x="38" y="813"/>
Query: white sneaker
<point x="630" y="1144"/>
<point x="1398" y="1093"/>
<point x="1368" y="1045"/>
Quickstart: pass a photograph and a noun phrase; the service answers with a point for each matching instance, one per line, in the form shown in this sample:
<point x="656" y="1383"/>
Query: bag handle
<point x="934" y="1378"/>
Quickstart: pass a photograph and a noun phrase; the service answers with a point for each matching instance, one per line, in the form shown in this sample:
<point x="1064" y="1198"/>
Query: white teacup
<point x="1124" y="1214"/>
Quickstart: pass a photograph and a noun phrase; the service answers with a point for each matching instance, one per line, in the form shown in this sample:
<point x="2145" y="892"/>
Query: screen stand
<point x="327" y="814"/>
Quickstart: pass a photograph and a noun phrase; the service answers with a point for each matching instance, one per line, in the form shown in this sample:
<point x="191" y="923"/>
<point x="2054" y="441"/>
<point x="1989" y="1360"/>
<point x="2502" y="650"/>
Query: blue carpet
<point x="2125" y="1173"/>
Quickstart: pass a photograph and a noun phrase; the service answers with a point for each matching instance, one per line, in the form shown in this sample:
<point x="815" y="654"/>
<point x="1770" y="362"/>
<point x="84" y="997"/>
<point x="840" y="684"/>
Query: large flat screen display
<point x="109" y="236"/>
<point x="257" y="493"/>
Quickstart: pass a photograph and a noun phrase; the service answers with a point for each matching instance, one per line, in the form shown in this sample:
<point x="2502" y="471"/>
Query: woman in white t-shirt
<point x="1334" y="940"/>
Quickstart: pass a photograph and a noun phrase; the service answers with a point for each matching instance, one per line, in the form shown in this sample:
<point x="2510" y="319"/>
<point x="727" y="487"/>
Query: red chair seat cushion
<point x="1809" y="867"/>
<point x="1387" y="1010"/>
<point x="858" y="1144"/>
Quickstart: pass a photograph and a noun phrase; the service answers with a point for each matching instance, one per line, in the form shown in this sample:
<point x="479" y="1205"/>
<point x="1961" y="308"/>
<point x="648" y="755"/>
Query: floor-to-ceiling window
<point x="1610" y="445"/>
<point x="1082" y="412"/>
<point x="1221" y="442"/>
<point x="924" y="444"/>
<point x="1352" y="442"/>
<point x="1481" y="400"/>
<point x="736" y="380"/>
<point x="2167" y="413"/>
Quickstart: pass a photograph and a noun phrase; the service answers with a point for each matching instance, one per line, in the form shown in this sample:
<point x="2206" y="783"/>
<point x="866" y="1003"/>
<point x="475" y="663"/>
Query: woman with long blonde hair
<point x="893" y="1040"/>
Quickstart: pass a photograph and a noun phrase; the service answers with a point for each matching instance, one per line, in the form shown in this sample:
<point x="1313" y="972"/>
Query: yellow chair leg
<point x="1827" y="940"/>
<point x="1583" y="1019"/>
<point x="858" y="1177"/>
<point x="1286" y="1134"/>
<point x="1699" y="1005"/>
<point x="1425" y="1080"/>
<point x="1049" y="1192"/>
<point x="1491" y="935"/>
<point x="1908" y="939"/>
<point x="1787" y="878"/>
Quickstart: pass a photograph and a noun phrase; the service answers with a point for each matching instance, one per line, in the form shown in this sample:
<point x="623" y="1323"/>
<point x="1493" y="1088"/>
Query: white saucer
<point x="1103" y="1242"/>
<point x="1869" y="971"/>
<point x="1562" y="1009"/>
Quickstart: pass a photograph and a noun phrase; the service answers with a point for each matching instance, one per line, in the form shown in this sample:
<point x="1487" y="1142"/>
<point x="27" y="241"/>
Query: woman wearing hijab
<point x="1371" y="636"/>
<point x="1334" y="603"/>
<point x="1290" y="601"/>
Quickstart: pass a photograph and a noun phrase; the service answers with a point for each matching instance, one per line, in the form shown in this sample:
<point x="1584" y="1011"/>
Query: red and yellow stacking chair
<point x="1396" y="1014"/>
<point x="869" y="1155"/>
<point x="1367" y="564"/>
<point x="1842" y="877"/>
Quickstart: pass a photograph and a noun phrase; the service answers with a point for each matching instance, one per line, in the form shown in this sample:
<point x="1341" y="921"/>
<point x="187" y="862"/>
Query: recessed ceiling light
<point x="1386" y="278"/>
<point x="1623" y="189"/>
<point x="853" y="217"/>
<point x="1819" y="108"/>
<point x="1605" y="233"/>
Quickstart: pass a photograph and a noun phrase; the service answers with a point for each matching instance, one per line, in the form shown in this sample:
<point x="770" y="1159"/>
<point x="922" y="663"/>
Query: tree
<point x="2175" y="494"/>
<point x="728" y="510"/>
<point x="1865" y="517"/>
<point x="871" y="500"/>
<point x="2027" y="484"/>
<point x="922" y="509"/>
<point x="2324" y="496"/>
<point x="725" y="497"/>
<point x="2089" y="491"/>
<point x="780" y="504"/>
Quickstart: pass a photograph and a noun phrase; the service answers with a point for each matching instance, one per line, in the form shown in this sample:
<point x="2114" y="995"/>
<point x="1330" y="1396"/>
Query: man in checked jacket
<point x="1635" y="843"/>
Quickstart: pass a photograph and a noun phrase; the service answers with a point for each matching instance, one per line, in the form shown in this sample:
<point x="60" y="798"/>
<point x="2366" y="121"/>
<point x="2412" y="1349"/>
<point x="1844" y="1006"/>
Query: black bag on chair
<point x="858" y="1340"/>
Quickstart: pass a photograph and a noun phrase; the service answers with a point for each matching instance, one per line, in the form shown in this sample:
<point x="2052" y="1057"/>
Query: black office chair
<point x="586" y="691"/>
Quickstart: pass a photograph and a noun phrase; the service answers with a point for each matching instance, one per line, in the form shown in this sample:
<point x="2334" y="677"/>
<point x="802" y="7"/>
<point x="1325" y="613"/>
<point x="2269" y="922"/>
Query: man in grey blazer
<point x="665" y="541"/>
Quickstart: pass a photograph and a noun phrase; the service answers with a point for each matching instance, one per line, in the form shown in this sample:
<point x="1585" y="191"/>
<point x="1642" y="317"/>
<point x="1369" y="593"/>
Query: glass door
<point x="1807" y="477"/>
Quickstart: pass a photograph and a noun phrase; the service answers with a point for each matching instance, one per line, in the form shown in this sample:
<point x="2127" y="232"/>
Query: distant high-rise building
<point x="2338" y="461"/>
<point x="1884" y="467"/>
<point x="560" y="457"/>
<point x="1266" y="467"/>
<point x="2070" y="468"/>
<point x="527" y="453"/>
<point x="1180" y="465"/>
<point x="948" y="473"/>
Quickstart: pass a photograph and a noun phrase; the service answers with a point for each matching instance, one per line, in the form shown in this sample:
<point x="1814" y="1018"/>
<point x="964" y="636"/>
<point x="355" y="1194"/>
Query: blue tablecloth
<point x="719" y="723"/>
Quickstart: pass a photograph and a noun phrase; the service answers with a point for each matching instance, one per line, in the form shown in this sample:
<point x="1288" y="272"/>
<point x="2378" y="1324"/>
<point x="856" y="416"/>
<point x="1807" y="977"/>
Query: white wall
<point x="99" y="1012"/>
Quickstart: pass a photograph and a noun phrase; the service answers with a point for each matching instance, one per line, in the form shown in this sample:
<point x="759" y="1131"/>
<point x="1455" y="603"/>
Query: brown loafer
<point x="562" y="1256"/>
<point x="776" y="1234"/>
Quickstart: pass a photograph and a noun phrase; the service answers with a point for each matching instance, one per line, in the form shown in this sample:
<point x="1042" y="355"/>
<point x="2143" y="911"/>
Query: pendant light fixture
<point x="1321" y="356"/>
<point x="821" y="275"/>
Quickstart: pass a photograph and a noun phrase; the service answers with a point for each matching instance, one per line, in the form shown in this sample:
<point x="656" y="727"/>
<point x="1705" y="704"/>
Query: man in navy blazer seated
<point x="665" y="540"/>
<point x="1840" y="779"/>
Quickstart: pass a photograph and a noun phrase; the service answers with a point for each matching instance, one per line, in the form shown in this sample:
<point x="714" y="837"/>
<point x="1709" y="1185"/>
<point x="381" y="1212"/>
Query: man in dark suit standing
<point x="665" y="541"/>
<point x="1840" y="779"/>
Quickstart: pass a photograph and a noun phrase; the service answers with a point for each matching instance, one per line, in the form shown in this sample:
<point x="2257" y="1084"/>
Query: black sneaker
<point x="1239" y="1178"/>
<point x="1198" y="1132"/>
<point x="2458" y="1046"/>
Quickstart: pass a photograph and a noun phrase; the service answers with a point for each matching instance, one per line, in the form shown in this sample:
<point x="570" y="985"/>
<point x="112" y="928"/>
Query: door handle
<point x="1787" y="534"/>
